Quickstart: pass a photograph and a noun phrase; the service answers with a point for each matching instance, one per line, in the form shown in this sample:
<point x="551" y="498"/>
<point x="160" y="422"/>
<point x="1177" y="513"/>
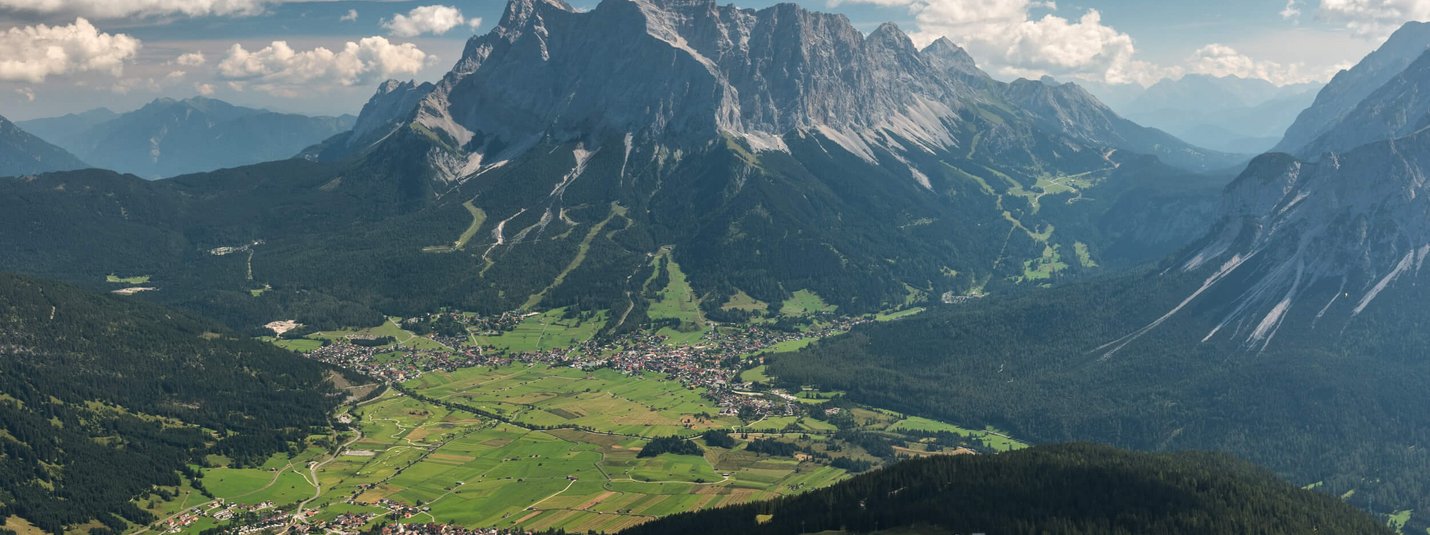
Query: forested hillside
<point x="1065" y="489"/>
<point x="102" y="399"/>
<point x="1314" y="406"/>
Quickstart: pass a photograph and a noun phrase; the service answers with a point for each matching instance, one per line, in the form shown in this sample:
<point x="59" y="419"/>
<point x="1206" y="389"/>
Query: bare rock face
<point x="1350" y="87"/>
<point x="1305" y="243"/>
<point x="686" y="73"/>
<point x="1399" y="108"/>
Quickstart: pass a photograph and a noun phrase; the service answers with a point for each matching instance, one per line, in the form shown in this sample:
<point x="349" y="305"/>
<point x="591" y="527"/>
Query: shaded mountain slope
<point x="1069" y="489"/>
<point x="22" y="153"/>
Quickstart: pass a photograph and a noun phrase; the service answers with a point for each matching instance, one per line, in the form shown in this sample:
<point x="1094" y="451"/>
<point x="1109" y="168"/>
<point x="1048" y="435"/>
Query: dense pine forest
<point x="1065" y="489"/>
<point x="1313" y="407"/>
<point x="104" y="399"/>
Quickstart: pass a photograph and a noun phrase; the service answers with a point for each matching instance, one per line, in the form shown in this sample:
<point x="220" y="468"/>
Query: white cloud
<point x="1007" y="37"/>
<point x="280" y="70"/>
<point x="26" y="92"/>
<point x="1292" y="11"/>
<point x="1220" y="60"/>
<point x="204" y="89"/>
<point x="192" y="59"/>
<point x="350" y="16"/>
<point x="1373" y="19"/>
<point x="33" y="53"/>
<point x="111" y="9"/>
<point x="435" y="20"/>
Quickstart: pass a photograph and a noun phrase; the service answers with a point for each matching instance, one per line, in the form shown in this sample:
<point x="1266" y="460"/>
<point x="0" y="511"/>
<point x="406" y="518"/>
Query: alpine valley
<point x="669" y="266"/>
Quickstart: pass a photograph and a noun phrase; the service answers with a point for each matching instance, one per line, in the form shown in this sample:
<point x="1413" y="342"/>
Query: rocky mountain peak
<point x="685" y="73"/>
<point x="1350" y="87"/>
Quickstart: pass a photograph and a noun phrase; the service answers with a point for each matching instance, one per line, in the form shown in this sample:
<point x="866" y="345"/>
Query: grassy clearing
<point x="390" y="328"/>
<point x="898" y="314"/>
<point x="805" y="303"/>
<point x="1043" y="268"/>
<point x="788" y="346"/>
<point x="136" y="279"/>
<point x="743" y="302"/>
<point x="1084" y="257"/>
<point x="755" y="375"/>
<point x="546" y="330"/>
<point x="302" y="345"/>
<point x="990" y="437"/>
<point x="479" y="218"/>
<point x="1398" y="520"/>
<point x="677" y="301"/>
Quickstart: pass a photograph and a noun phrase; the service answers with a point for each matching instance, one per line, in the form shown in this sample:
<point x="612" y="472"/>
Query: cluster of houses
<point x="712" y="365"/>
<point x="446" y="529"/>
<point x="218" y="509"/>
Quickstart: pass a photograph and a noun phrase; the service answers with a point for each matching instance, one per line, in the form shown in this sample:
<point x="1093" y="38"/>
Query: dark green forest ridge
<point x="102" y="399"/>
<point x="342" y="244"/>
<point x="1065" y="489"/>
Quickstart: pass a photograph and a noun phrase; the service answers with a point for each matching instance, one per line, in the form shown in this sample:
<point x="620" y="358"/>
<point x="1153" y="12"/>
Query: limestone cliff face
<point x="686" y="73"/>
<point x="1350" y="87"/>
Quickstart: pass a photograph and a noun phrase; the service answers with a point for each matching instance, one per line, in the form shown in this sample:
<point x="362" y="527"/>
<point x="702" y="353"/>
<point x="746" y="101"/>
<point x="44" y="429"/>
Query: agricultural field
<point x="420" y="461"/>
<point x="388" y="329"/>
<point x="532" y="445"/>
<point x="805" y="303"/>
<point x="545" y="330"/>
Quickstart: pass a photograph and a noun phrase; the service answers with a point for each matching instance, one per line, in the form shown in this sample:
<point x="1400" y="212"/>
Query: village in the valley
<point x="713" y="363"/>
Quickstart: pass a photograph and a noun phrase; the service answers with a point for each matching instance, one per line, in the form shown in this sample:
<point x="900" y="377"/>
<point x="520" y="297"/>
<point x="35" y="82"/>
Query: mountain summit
<point x="755" y="140"/>
<point x="684" y="72"/>
<point x="767" y="152"/>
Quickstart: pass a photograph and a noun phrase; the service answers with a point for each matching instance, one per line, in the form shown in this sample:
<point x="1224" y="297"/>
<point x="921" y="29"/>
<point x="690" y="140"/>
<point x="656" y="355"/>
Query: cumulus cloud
<point x="350" y="16"/>
<point x="192" y="59"/>
<point x="1292" y="11"/>
<point x="1220" y="60"/>
<point x="1373" y="18"/>
<point x="204" y="89"/>
<point x="33" y="53"/>
<point x="281" y="70"/>
<point x="111" y="9"/>
<point x="435" y="20"/>
<point x="1009" y="37"/>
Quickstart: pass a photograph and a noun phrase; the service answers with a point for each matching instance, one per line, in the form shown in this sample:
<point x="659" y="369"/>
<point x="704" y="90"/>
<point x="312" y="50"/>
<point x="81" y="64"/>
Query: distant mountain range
<point x="1231" y="114"/>
<point x="1290" y="334"/>
<point x="171" y="137"/>
<point x="22" y="153"/>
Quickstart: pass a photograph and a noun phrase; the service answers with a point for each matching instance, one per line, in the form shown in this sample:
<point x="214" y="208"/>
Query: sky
<point x="327" y="57"/>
